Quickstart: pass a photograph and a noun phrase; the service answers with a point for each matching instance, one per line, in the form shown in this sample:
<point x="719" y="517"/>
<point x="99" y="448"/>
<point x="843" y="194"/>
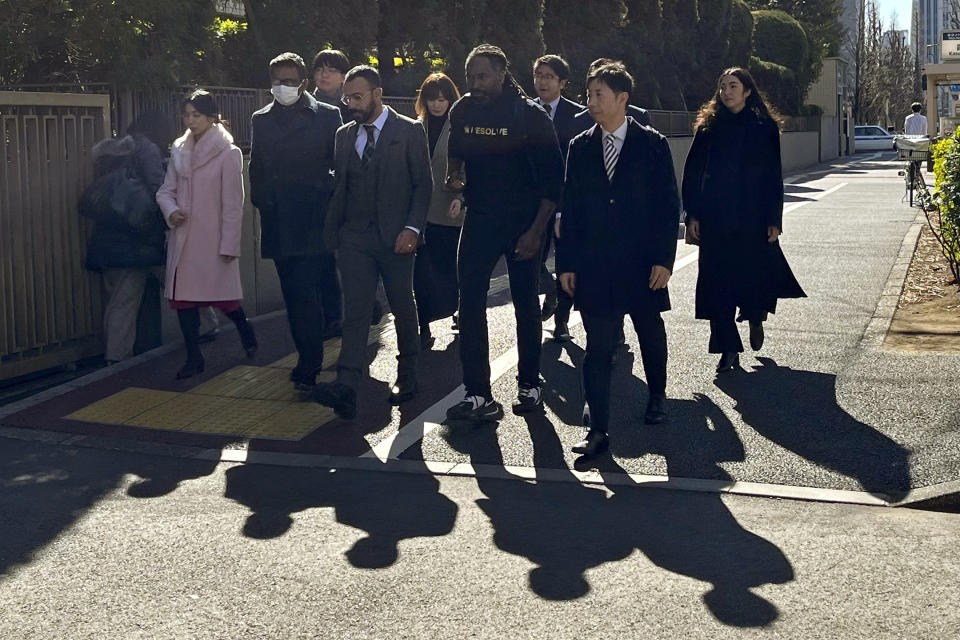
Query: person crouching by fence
<point x="128" y="235"/>
<point x="202" y="202"/>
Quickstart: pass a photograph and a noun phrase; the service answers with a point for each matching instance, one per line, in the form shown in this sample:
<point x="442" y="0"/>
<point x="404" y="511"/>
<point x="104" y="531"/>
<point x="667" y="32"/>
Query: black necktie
<point x="548" y="108"/>
<point x="368" y="148"/>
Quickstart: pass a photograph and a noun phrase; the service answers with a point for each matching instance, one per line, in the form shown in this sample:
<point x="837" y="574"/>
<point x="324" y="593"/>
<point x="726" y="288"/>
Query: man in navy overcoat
<point x="616" y="253"/>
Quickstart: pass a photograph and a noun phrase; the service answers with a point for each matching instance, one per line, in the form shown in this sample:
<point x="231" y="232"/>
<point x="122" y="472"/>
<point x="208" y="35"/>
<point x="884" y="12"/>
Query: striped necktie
<point x="370" y="145"/>
<point x="610" y="154"/>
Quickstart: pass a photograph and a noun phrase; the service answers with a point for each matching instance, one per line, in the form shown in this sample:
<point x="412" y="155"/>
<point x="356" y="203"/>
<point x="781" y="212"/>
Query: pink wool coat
<point x="205" y="181"/>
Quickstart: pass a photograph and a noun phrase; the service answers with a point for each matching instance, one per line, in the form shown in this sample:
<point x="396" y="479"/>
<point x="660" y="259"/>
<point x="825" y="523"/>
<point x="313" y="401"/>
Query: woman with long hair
<point x="435" y="273"/>
<point x="733" y="197"/>
<point x="202" y="202"/>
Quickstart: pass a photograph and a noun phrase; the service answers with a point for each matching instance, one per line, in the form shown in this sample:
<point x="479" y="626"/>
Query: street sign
<point x="950" y="45"/>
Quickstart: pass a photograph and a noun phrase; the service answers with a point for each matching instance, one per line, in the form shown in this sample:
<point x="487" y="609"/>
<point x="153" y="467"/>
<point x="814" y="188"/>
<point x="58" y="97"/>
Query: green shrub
<point x="780" y="39"/>
<point x="945" y="220"/>
<point x="778" y="84"/>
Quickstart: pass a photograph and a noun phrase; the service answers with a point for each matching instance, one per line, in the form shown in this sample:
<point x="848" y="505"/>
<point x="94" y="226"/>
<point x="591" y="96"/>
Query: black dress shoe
<point x="756" y="335"/>
<point x="338" y="396"/>
<point x="561" y="333"/>
<point x="656" y="409"/>
<point x="402" y="390"/>
<point x="303" y="381"/>
<point x="193" y="367"/>
<point x="729" y="361"/>
<point x="595" y="442"/>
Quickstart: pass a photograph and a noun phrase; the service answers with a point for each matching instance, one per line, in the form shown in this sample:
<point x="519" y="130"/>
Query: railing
<point x="50" y="307"/>
<point x="673" y="123"/>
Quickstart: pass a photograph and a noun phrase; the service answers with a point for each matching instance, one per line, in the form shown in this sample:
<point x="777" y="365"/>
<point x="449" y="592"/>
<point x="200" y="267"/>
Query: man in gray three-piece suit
<point x="377" y="212"/>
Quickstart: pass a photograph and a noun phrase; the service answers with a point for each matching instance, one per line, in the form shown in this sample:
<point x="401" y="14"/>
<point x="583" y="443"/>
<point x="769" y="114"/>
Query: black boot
<point x="247" y="337"/>
<point x="190" y="326"/>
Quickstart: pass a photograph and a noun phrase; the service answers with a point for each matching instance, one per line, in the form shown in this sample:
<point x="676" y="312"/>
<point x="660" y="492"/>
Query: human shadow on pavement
<point x="562" y="381"/>
<point x="798" y="410"/>
<point x="389" y="507"/>
<point x="45" y="489"/>
<point x="567" y="528"/>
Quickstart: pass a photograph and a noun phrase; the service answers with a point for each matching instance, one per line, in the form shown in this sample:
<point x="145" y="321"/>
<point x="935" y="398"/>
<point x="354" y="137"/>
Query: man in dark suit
<point x="291" y="160"/>
<point x="379" y="206"/>
<point x="616" y="253"/>
<point x="583" y="119"/>
<point x="550" y="74"/>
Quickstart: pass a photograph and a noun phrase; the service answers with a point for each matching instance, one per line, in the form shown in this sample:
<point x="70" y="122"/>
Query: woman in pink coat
<point x="202" y="201"/>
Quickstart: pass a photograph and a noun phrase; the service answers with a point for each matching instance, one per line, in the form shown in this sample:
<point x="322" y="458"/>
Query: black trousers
<point x="435" y="273"/>
<point x="551" y="286"/>
<point x="724" y="337"/>
<point x="363" y="259"/>
<point x="331" y="296"/>
<point x="603" y="334"/>
<point x="483" y="241"/>
<point x="301" y="280"/>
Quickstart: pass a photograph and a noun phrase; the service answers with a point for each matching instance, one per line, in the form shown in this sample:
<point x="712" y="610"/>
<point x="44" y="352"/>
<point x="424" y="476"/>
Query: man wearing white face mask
<point x="291" y="180"/>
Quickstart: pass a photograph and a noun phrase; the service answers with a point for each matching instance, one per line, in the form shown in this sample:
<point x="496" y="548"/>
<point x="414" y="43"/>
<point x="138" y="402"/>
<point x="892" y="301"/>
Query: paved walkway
<point x="822" y="412"/>
<point x="101" y="538"/>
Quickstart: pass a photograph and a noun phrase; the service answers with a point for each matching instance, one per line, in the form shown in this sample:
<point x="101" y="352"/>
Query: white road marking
<point x="793" y="206"/>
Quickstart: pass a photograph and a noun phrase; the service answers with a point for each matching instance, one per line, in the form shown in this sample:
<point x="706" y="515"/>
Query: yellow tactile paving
<point x="175" y="414"/>
<point x="123" y="405"/>
<point x="237" y="417"/>
<point x="254" y="383"/>
<point x="293" y="422"/>
<point x="245" y="401"/>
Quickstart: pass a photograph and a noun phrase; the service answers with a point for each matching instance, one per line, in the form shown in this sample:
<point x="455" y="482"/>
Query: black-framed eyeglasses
<point x="290" y="82"/>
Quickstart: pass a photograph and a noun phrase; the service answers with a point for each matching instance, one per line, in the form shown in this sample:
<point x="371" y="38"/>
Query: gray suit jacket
<point x="404" y="180"/>
<point x="442" y="194"/>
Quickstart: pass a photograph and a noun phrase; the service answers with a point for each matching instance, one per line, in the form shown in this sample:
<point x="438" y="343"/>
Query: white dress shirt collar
<point x="619" y="135"/>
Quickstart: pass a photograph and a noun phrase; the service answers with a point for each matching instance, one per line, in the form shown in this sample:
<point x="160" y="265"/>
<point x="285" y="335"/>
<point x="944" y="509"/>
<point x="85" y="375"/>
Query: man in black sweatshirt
<point x="514" y="178"/>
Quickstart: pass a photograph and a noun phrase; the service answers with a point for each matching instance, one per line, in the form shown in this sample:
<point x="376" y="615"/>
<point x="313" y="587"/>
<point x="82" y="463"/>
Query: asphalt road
<point x="98" y="543"/>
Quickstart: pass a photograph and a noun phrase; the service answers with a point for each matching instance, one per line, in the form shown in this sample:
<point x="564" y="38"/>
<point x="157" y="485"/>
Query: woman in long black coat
<point x="733" y="197"/>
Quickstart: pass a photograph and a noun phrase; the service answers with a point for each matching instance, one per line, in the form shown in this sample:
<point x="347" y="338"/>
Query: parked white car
<point x="873" y="137"/>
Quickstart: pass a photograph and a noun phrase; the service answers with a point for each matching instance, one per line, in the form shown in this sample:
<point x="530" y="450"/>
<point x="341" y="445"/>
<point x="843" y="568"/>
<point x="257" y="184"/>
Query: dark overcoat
<point x="404" y="178"/>
<point x="615" y="232"/>
<point x="733" y="184"/>
<point x="291" y="175"/>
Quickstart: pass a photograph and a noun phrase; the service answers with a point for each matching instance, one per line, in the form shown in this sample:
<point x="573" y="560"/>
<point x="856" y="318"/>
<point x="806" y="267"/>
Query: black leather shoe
<point x="756" y="335"/>
<point x="656" y="409"/>
<point x="595" y="442"/>
<point x="303" y="381"/>
<point x="729" y="361"/>
<point x="402" y="390"/>
<point x="338" y="396"/>
<point x="561" y="333"/>
<point x="193" y="367"/>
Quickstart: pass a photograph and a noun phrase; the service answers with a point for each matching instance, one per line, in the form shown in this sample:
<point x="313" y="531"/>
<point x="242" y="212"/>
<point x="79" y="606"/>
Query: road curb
<point x="879" y="325"/>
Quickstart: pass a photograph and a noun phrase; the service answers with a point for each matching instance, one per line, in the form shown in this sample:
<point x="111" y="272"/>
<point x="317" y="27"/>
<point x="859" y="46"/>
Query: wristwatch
<point x="456" y="183"/>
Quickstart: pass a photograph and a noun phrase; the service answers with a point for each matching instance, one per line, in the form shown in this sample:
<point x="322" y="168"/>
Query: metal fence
<point x="50" y="307"/>
<point x="236" y="104"/>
